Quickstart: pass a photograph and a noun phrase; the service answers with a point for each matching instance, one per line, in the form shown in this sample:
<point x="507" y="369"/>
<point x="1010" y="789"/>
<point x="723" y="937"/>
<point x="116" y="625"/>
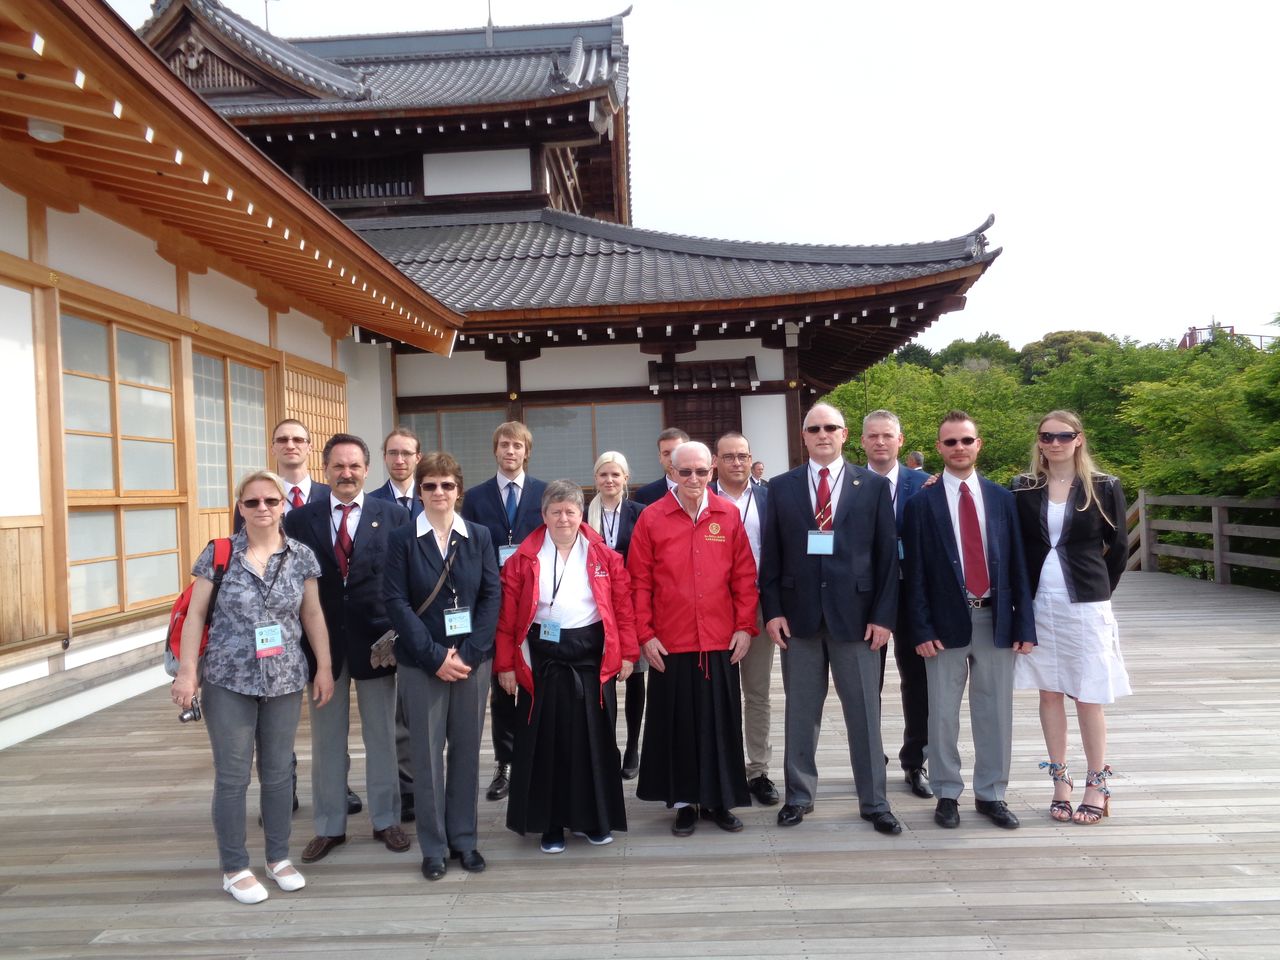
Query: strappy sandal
<point x="1059" y="810"/>
<point x="1087" y="813"/>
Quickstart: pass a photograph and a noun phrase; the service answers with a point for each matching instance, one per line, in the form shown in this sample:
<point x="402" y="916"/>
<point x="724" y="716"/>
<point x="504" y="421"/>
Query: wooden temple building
<point x="205" y="228"/>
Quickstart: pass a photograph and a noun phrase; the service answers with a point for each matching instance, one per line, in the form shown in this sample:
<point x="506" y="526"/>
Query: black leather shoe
<point x="723" y="818"/>
<point x="686" y="821"/>
<point x="947" y="813"/>
<point x="501" y="783"/>
<point x="884" y="822"/>
<point x="406" y="808"/>
<point x="471" y="860"/>
<point x="792" y="813"/>
<point x="919" y="782"/>
<point x="630" y="764"/>
<point x="998" y="812"/>
<point x="433" y="868"/>
<point x="354" y="803"/>
<point x="763" y="790"/>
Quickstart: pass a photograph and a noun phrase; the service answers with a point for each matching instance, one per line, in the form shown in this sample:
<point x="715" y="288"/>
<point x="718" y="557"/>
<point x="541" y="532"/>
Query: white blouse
<point x="573" y="604"/>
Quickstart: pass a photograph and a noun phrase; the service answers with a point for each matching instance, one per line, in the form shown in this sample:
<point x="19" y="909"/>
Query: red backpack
<point x="178" y="614"/>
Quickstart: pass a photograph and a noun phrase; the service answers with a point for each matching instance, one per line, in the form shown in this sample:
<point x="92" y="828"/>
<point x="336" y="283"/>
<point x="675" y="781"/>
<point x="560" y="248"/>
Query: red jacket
<point x="610" y="586"/>
<point x="693" y="586"/>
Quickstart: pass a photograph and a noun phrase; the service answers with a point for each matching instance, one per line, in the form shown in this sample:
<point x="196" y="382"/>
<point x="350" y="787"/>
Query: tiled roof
<point x="545" y="258"/>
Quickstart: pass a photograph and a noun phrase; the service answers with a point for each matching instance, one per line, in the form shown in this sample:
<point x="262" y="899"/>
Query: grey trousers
<point x="445" y="723"/>
<point x="807" y="665"/>
<point x="756" y="671"/>
<point x="989" y="672"/>
<point x="330" y="729"/>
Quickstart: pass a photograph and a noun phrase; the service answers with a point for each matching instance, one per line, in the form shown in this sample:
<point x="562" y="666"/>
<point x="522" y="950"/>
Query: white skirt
<point x="1078" y="652"/>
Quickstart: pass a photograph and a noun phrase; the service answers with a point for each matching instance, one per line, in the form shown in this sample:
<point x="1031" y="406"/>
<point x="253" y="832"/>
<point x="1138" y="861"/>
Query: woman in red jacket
<point x="566" y="631"/>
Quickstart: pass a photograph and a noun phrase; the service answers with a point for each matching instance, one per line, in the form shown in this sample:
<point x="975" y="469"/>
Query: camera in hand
<point x="192" y="712"/>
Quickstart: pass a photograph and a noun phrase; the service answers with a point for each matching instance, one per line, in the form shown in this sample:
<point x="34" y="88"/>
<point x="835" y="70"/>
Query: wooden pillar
<point x="1221" y="544"/>
<point x="515" y="403"/>
<point x="1147" y="535"/>
<point x="791" y="370"/>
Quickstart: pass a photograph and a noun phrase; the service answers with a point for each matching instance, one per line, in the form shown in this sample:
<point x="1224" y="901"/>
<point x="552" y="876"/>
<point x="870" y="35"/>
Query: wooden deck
<point x="106" y="848"/>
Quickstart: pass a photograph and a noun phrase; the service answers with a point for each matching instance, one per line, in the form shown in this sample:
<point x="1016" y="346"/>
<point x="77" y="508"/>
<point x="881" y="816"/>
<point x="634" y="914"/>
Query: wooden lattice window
<point x="317" y="396"/>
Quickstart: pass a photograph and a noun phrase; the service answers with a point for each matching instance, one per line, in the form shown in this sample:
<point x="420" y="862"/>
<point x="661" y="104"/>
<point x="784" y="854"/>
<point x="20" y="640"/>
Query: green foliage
<point x="915" y="353"/>
<point x="1041" y="356"/>
<point x="987" y="351"/>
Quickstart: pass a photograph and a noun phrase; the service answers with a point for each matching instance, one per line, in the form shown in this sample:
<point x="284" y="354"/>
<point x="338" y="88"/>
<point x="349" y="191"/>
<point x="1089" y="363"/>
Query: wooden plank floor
<point x="106" y="848"/>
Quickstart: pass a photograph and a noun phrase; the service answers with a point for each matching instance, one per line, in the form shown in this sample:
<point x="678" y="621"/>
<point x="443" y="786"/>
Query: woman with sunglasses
<point x="442" y="591"/>
<point x="1073" y="529"/>
<point x="252" y="676"/>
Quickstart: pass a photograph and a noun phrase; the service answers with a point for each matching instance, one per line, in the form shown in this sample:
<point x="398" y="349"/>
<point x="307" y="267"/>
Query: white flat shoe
<point x="253" y="894"/>
<point x="288" y="882"/>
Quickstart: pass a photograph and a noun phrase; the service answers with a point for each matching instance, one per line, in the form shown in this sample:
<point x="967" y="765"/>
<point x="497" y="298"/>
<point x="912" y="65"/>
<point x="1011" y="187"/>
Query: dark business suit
<point x="389" y="493"/>
<point x="445" y="718"/>
<point x="355" y="615"/>
<point x="652" y="492"/>
<point x="319" y="491"/>
<point x="828" y="602"/>
<point x="628" y="514"/>
<point x="1092" y="550"/>
<point x="978" y="642"/>
<point x="484" y="505"/>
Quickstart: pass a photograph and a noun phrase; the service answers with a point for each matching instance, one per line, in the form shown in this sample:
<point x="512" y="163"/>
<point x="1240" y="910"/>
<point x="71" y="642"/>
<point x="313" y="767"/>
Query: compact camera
<point x="192" y="712"/>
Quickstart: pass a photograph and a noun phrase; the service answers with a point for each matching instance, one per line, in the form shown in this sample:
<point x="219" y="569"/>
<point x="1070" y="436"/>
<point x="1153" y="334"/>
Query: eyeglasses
<point x="735" y="457"/>
<point x="297" y="441"/>
<point x="448" y="486"/>
<point x="401" y="454"/>
<point x="271" y="502"/>
<point x="1066" y="436"/>
<point x="952" y="441"/>
<point x="688" y="472"/>
<point x="823" y="428"/>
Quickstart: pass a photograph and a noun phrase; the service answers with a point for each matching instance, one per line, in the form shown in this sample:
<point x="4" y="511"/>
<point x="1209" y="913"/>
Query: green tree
<point x="989" y="349"/>
<point x="1055" y="349"/>
<point x="915" y="353"/>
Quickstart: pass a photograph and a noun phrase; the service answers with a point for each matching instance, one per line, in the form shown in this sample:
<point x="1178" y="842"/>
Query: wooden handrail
<point x="1145" y="547"/>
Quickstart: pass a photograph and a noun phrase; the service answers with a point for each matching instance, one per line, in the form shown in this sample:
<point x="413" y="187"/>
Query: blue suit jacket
<point x="857" y="584"/>
<point x="937" y="606"/>
<point x="319" y="491"/>
<point x="628" y="514"/>
<point x="354" y="611"/>
<point x="388" y="492"/>
<point x="651" y="492"/>
<point x="483" y="505"/>
<point x="910" y="482"/>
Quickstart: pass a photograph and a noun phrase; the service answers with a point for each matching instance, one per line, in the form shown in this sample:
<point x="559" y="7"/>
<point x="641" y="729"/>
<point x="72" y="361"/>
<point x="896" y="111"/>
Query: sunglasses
<point x="823" y="428"/>
<point x="253" y="502"/>
<point x="297" y="441"/>
<point x="448" y="486"/>
<point x="688" y="472"/>
<point x="1066" y="436"/>
<point x="952" y="441"/>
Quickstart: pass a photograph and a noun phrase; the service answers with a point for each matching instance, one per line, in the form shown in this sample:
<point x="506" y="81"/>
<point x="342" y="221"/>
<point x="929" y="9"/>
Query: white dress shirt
<point x="504" y="481"/>
<point x="835" y="481"/>
<point x="575" y="605"/>
<point x="423" y="527"/>
<point x="353" y="516"/>
<point x="304" y="487"/>
<point x="952" y="484"/>
<point x="749" y="510"/>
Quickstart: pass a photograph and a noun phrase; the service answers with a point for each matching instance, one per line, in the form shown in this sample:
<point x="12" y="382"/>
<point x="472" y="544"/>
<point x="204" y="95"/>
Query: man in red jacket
<point x="693" y="579"/>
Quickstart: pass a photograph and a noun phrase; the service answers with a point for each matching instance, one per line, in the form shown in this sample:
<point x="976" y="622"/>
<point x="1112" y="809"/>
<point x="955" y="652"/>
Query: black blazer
<point x="483" y="505"/>
<point x="651" y="492"/>
<point x="936" y="605"/>
<point x="355" y="611"/>
<point x="856" y="585"/>
<point x="388" y="493"/>
<point x="319" y="491"/>
<point x="1092" y="551"/>
<point x="628" y="514"/>
<point x="413" y="567"/>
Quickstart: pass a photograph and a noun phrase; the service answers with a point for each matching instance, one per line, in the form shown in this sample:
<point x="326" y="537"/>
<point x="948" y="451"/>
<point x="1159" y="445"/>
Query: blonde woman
<point x="1073" y="529"/>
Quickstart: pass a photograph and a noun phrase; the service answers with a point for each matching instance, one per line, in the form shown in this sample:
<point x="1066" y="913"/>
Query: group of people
<point x="521" y="598"/>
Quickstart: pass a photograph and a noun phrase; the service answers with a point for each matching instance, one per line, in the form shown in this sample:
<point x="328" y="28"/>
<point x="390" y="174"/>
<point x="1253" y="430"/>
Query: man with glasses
<point x="400" y="454"/>
<point x="733" y="482"/>
<point x="969" y="614"/>
<point x="829" y="588"/>
<point x="668" y="440"/>
<point x="694" y="584"/>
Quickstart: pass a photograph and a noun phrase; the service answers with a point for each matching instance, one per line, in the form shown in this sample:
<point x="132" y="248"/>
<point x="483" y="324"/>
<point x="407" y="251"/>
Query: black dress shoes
<point x="947" y="813"/>
<point x="471" y="860"/>
<point x="724" y="819"/>
<point x="354" y="803"/>
<point x="686" y="821"/>
<point x="630" y="763"/>
<point x="792" y="813"/>
<point x="433" y="868"/>
<point x="763" y="790"/>
<point x="501" y="783"/>
<point x="919" y="782"/>
<point x="998" y="812"/>
<point x="884" y="822"/>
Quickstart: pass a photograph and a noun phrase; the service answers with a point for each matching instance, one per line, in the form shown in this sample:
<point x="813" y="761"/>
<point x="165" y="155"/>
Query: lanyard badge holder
<point x="457" y="620"/>
<point x="268" y="639"/>
<point x="549" y="630"/>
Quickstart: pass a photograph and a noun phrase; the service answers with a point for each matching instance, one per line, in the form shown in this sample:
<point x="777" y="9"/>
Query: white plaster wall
<point x="369" y="400"/>
<point x="303" y="336"/>
<point x="585" y="368"/>
<point x="13" y="223"/>
<point x="219" y="301"/>
<point x="19" y="485"/>
<point x="768" y="362"/>
<point x="96" y="249"/>
<point x="431" y="375"/>
<point x="476" y="171"/>
<point x="764" y="424"/>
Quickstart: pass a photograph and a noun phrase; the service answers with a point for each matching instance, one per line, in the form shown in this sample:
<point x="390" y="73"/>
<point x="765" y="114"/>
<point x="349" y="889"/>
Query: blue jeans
<point x="236" y="724"/>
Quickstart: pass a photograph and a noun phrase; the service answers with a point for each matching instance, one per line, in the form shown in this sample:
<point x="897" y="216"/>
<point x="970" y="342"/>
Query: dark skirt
<point x="567" y="771"/>
<point x="693" y="733"/>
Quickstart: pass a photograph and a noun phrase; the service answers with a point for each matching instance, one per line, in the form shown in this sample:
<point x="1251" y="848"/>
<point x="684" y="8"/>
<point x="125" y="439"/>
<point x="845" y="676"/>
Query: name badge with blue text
<point x="457" y="621"/>
<point x="506" y="552"/>
<point x="268" y="640"/>
<point x="549" y="630"/>
<point x="822" y="543"/>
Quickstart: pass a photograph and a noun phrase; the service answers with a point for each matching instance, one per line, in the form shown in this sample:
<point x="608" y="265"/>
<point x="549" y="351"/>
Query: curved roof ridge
<point x="459" y="31"/>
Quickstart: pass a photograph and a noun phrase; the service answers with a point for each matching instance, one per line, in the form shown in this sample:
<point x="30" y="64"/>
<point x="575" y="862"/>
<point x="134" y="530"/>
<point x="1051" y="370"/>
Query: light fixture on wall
<point x="46" y="131"/>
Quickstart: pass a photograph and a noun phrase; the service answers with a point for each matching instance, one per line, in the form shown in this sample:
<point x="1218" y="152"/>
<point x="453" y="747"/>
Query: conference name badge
<point x="549" y="630"/>
<point x="713" y="533"/>
<point x="505" y="553"/>
<point x="457" y="622"/>
<point x="822" y="543"/>
<point x="268" y="640"/>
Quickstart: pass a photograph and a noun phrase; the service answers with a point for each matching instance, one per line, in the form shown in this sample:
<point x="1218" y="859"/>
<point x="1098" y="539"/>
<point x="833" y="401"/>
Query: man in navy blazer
<point x="668" y="440"/>
<point x="829" y="589"/>
<point x="348" y="535"/>
<point x="969" y="614"/>
<point x="401" y="452"/>
<point x="882" y="439"/>
<point x="509" y="506"/>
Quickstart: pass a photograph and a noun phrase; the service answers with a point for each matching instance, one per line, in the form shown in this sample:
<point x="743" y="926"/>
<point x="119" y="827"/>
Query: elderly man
<point x="695" y="596"/>
<point x="829" y="588"/>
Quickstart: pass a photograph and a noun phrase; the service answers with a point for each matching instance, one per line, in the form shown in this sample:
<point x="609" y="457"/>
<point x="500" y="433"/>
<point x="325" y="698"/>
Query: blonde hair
<point x="266" y="475"/>
<point x="1085" y="469"/>
<point x="594" y="511"/>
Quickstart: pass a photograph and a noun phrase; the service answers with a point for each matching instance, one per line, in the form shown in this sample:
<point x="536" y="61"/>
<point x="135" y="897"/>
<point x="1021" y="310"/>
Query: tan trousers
<point x="756" y="670"/>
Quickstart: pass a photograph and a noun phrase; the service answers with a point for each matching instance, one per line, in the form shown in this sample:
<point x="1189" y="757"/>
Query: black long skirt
<point x="567" y="771"/>
<point x="693" y="733"/>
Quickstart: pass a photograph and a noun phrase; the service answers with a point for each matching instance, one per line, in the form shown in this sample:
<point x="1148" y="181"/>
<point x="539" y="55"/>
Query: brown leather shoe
<point x="393" y="837"/>
<point x="319" y="847"/>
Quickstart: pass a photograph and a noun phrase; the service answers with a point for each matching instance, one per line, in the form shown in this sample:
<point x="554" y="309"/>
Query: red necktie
<point x="295" y="498"/>
<point x="823" y="513"/>
<point x="976" y="579"/>
<point x="342" y="542"/>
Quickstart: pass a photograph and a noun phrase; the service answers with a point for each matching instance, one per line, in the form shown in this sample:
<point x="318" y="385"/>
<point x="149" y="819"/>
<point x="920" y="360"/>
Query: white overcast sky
<point x="1127" y="149"/>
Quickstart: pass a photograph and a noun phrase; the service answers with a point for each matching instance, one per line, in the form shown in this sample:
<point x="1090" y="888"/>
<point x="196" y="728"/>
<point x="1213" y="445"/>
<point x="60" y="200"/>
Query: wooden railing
<point x="1145" y="528"/>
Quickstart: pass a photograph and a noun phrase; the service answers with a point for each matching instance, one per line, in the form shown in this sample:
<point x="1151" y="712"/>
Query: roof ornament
<point x="192" y="51"/>
<point x="488" y="28"/>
